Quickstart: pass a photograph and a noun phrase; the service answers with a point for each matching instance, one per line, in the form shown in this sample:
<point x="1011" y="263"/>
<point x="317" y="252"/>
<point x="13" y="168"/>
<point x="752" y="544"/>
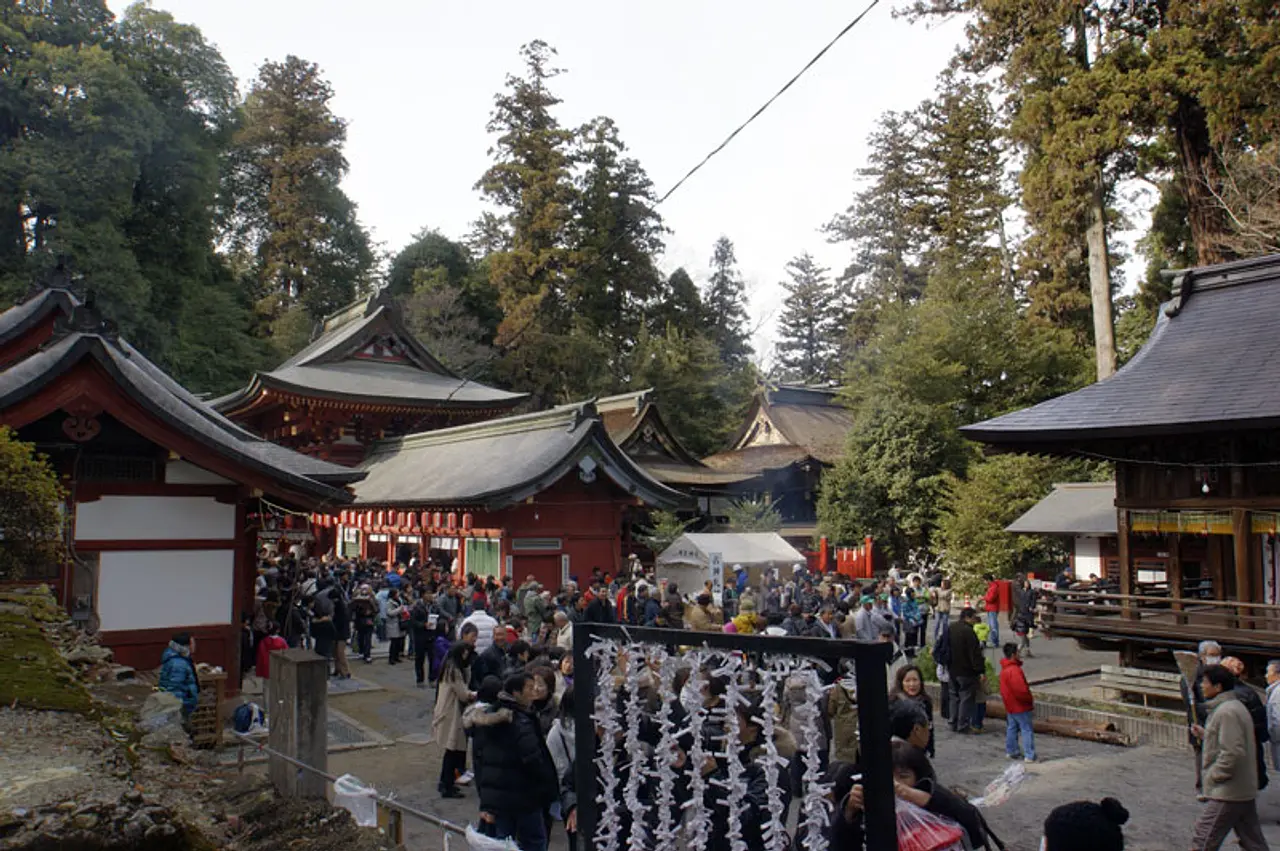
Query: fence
<point x="605" y="653"/>
<point x="391" y="813"/>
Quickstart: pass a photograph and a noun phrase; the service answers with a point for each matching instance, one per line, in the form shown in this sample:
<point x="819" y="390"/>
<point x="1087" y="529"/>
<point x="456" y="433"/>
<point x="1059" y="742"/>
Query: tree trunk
<point x="1200" y="175"/>
<point x="1104" y="332"/>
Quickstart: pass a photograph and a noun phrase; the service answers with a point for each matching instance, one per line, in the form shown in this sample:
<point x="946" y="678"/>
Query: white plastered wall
<point x="152" y="589"/>
<point x="155" y="518"/>
<point x="1088" y="554"/>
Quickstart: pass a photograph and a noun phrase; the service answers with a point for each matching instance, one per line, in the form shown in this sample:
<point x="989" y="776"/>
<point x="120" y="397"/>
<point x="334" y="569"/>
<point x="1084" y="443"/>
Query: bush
<point x="929" y="668"/>
<point x="30" y="511"/>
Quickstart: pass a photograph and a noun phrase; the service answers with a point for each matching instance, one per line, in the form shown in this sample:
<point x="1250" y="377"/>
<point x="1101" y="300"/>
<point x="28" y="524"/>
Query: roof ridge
<point x="1218" y="276"/>
<point x="573" y="415"/>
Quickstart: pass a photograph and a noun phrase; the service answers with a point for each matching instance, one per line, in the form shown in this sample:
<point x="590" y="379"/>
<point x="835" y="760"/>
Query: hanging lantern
<point x="466" y="522"/>
<point x="426" y="520"/>
<point x="436" y="520"/>
<point x="288" y="521"/>
<point x="452" y="521"/>
<point x="382" y="518"/>
<point x="368" y="520"/>
<point x="401" y="521"/>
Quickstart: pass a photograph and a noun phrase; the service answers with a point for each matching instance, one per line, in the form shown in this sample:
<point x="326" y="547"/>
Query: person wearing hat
<point x="1084" y="824"/>
<point x="864" y="622"/>
<point x="178" y="672"/>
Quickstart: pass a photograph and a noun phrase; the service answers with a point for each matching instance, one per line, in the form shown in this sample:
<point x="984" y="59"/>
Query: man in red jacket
<point x="1018" y="705"/>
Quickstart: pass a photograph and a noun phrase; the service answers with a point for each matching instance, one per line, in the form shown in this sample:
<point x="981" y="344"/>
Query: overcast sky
<point x="415" y="81"/>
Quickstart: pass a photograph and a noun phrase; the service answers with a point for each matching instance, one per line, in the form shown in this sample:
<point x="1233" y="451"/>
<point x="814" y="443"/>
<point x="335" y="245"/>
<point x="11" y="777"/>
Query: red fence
<point x="856" y="562"/>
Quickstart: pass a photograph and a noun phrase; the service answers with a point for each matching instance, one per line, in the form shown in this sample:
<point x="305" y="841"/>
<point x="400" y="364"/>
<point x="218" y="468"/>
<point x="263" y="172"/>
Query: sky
<point x="415" y="81"/>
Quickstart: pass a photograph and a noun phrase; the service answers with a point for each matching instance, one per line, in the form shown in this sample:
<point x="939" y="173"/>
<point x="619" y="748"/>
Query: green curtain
<point x="484" y="557"/>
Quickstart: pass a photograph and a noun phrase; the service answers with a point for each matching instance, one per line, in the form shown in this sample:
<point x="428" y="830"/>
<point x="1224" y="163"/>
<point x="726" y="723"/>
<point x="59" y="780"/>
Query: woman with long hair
<point x="452" y="698"/>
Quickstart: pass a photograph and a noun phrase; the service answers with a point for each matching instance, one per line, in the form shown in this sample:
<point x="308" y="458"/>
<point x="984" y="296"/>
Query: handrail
<point x="1084" y="595"/>
<point x="384" y="801"/>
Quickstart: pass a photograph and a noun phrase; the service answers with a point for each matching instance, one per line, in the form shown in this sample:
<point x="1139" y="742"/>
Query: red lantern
<point x="288" y="521"/>
<point x="466" y="522"/>
<point x="401" y="521"/>
<point x="436" y="520"/>
<point x="368" y="519"/>
<point x="426" y="520"/>
<point x="452" y="521"/>
<point x="382" y="518"/>
<point x="413" y="521"/>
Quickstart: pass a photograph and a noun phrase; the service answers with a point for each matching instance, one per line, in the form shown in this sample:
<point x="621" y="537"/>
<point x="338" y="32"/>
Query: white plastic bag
<point x="477" y="841"/>
<point x="351" y="794"/>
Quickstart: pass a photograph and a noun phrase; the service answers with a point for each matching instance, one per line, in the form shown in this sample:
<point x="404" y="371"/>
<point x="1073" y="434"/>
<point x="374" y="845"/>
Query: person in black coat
<point x="515" y="775"/>
<point x="967" y="667"/>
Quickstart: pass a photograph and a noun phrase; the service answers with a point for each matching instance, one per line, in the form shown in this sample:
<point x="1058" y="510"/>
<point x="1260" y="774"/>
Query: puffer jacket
<point x="514" y="771"/>
<point x="178" y="676"/>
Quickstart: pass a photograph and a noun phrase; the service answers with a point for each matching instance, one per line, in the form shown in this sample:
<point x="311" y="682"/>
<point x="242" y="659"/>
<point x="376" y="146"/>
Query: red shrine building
<point x="164" y="495"/>
<point x="364" y="378"/>
<point x="448" y="474"/>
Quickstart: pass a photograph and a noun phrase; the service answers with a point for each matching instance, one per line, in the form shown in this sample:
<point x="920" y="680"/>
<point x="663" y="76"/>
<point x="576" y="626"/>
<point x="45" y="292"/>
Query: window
<point x="536" y="545"/>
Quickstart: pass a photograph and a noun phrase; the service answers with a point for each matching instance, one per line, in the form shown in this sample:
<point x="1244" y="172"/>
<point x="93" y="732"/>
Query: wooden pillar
<point x="1174" y="573"/>
<point x="1126" y="572"/>
<point x="391" y="550"/>
<point x="1240" y="534"/>
<point x="298" y="719"/>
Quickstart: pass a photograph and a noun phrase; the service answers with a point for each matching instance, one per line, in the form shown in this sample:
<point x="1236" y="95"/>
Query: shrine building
<point x="1190" y="423"/>
<point x="363" y="378"/>
<point x="544" y="494"/>
<point x="164" y="495"/>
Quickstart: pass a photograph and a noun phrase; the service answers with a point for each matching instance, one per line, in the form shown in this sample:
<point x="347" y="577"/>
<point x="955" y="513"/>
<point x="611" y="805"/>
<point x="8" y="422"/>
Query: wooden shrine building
<point x="1191" y="426"/>
<point x="365" y="377"/>
<point x="790" y="436"/>
<point x="164" y="494"/>
<point x="545" y="494"/>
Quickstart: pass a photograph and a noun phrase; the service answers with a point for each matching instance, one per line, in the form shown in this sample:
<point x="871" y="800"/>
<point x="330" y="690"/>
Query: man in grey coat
<point x="1230" y="768"/>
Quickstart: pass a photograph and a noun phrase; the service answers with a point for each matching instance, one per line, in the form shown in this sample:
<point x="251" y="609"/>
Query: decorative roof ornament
<point x="381" y="297"/>
<point x="87" y="319"/>
<point x="59" y="278"/>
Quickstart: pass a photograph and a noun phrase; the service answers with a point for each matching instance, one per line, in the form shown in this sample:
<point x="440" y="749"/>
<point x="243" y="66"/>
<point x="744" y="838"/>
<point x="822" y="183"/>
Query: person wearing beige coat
<point x="452" y="699"/>
<point x="1230" y="768"/>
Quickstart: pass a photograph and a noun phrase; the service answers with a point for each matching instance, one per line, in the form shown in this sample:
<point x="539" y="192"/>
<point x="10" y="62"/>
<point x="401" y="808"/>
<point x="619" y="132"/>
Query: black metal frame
<point x="871" y="661"/>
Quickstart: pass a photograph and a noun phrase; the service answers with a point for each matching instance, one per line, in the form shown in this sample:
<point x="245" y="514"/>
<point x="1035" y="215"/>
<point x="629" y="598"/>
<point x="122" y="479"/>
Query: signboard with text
<point x="717" y="576"/>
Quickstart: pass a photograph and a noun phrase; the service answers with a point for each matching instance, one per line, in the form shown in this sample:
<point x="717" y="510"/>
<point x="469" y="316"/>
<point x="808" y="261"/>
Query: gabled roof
<point x="29" y="314"/>
<point x="755" y="460"/>
<point x="366" y="354"/>
<point x="501" y="462"/>
<point x="636" y="425"/>
<point x="1211" y="364"/>
<point x="812" y="418"/>
<point x="1073" y="508"/>
<point x="85" y="338"/>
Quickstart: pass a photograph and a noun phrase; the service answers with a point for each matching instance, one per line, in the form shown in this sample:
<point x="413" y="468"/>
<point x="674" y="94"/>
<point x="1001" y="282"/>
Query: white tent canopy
<point x="765" y="549"/>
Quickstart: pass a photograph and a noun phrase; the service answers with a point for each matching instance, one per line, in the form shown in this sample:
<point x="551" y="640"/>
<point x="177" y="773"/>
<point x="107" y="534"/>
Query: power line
<point x="690" y="173"/>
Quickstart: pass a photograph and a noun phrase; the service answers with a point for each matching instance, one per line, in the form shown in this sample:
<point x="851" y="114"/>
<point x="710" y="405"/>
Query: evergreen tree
<point x="449" y="265"/>
<point x="725" y="302"/>
<point x="291" y="213"/>
<point x="616" y="233"/>
<point x="530" y="185"/>
<point x="882" y="226"/>
<point x="810" y="326"/>
<point x="681" y="308"/>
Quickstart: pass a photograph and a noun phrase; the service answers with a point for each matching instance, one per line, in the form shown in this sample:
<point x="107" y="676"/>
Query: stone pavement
<point x="1155" y="784"/>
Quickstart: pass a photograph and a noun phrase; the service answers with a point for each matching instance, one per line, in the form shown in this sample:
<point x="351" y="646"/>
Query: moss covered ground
<point x="32" y="672"/>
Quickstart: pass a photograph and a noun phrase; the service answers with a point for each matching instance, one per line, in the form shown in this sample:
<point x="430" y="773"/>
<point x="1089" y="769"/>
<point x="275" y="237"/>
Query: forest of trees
<point x="213" y="226"/>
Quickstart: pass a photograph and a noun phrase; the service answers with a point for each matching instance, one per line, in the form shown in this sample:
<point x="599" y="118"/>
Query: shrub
<point x="31" y="520"/>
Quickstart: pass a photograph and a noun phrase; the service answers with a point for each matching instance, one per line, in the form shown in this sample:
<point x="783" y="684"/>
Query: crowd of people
<point x="500" y="655"/>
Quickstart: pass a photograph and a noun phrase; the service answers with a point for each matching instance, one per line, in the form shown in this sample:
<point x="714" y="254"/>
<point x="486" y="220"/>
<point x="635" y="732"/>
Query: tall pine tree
<point x="291" y="214"/>
<point x="809" y="329"/>
<point x="725" y="302"/>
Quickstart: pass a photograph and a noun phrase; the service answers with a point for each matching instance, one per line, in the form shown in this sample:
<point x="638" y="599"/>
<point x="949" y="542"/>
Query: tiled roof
<point x="331" y="367"/>
<point x="812" y="418"/>
<point x="20" y="318"/>
<point x="501" y="462"/>
<point x="1075" y="508"/>
<point x="149" y="386"/>
<point x="1211" y="364"/>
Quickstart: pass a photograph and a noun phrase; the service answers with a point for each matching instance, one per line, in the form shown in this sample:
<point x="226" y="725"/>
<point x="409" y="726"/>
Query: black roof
<point x="148" y="385"/>
<point x="28" y="313"/>
<point x="1211" y="364"/>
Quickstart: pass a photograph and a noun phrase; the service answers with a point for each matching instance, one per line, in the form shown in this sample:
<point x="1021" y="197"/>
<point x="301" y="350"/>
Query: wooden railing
<point x="1151" y="618"/>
